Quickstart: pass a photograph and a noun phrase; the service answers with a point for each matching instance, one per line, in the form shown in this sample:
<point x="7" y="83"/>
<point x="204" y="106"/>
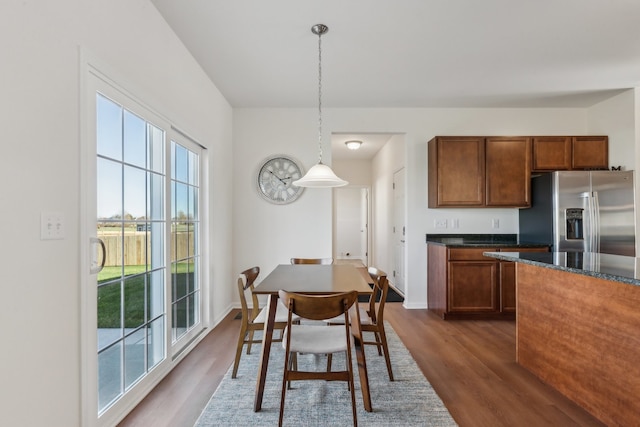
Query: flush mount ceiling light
<point x="353" y="145"/>
<point x="320" y="175"/>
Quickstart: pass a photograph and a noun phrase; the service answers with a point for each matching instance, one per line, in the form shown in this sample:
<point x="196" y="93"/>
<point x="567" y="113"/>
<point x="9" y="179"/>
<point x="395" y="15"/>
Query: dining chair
<point x="318" y="339"/>
<point x="372" y="316"/>
<point x="253" y="318"/>
<point x="323" y="261"/>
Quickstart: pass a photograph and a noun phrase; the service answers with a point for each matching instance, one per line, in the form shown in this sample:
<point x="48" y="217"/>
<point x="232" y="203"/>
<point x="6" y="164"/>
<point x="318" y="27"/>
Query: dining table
<point x="310" y="279"/>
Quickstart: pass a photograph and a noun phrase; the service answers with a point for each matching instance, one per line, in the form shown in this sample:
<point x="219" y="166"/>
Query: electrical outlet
<point x="495" y="223"/>
<point x="455" y="223"/>
<point x="51" y="226"/>
<point x="440" y="223"/>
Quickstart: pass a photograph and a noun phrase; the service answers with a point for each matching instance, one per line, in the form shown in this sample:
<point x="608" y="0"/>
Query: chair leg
<point x="292" y="362"/>
<point x="385" y="347"/>
<point x="351" y="388"/>
<point x="250" y="342"/>
<point x="378" y="342"/>
<point x="285" y="382"/>
<point x="243" y="333"/>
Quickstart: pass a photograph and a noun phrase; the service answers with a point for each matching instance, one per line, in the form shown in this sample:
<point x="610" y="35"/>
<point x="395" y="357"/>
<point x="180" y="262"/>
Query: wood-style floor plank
<point x="470" y="364"/>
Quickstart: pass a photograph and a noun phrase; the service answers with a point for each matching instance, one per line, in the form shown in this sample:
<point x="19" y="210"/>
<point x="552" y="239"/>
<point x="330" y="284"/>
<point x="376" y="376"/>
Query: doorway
<point x="352" y="225"/>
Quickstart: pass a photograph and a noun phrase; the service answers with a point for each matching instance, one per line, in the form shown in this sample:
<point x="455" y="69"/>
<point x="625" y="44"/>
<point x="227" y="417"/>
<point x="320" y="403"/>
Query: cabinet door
<point x="508" y="171"/>
<point x="472" y="287"/>
<point x="551" y="153"/>
<point x="590" y="152"/>
<point x="456" y="171"/>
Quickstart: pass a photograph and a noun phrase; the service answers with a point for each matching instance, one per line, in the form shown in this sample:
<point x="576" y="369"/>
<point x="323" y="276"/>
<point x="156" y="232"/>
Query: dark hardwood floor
<point x="471" y="365"/>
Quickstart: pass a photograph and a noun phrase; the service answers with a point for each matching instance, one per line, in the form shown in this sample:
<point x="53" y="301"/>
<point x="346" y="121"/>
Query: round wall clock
<point x="275" y="179"/>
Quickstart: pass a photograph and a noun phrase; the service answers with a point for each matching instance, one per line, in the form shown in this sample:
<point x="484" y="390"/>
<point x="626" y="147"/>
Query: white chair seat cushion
<point x="364" y="318"/>
<point x="316" y="339"/>
<point x="281" y="314"/>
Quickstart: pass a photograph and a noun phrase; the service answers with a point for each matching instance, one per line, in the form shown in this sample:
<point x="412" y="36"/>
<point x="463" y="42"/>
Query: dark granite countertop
<point x="480" y="240"/>
<point x="617" y="268"/>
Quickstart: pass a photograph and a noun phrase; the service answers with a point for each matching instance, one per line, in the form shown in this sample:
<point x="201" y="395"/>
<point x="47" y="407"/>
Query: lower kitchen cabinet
<point x="464" y="284"/>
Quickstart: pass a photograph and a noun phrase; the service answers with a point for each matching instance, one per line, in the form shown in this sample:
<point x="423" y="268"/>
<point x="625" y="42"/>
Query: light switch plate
<point x="51" y="226"/>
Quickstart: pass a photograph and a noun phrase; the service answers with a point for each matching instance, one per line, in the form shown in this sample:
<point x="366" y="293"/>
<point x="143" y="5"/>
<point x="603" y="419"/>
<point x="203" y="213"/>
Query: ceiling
<point x="413" y="53"/>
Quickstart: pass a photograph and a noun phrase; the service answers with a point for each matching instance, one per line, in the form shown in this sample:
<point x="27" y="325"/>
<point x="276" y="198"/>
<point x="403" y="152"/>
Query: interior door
<point x="399" y="230"/>
<point x="351" y="224"/>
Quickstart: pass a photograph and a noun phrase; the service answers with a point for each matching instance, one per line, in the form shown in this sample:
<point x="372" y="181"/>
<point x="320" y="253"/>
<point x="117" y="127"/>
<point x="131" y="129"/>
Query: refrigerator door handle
<point x="595" y="226"/>
<point x="588" y="221"/>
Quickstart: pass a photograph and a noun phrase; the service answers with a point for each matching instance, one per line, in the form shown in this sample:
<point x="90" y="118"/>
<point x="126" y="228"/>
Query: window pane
<point x="179" y="278"/>
<point x="194" y="168"/>
<point x="179" y="318"/>
<point x="181" y="163"/>
<point x="135" y="140"/>
<point x="193" y="309"/>
<point x="155" y="294"/>
<point x="109" y="375"/>
<point x="155" y="342"/>
<point x="108" y="128"/>
<point x="156" y="149"/>
<point x="156" y="195"/>
<point x="135" y="194"/>
<point x="156" y="245"/>
<point x="134" y="360"/>
<point x="109" y="196"/>
<point x="134" y="295"/>
<point x="181" y="202"/>
<point x="109" y="314"/>
<point x="193" y="203"/>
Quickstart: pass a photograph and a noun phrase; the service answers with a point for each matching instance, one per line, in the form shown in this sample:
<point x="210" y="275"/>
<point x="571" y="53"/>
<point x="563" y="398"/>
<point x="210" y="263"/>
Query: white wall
<point x="615" y="117"/>
<point x="618" y="118"/>
<point x="305" y="227"/>
<point x="39" y="81"/>
<point x="386" y="162"/>
<point x="265" y="234"/>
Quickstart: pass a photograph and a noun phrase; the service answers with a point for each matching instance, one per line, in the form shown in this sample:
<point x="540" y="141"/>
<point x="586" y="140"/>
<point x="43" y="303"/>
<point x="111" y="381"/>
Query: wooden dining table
<point x="311" y="279"/>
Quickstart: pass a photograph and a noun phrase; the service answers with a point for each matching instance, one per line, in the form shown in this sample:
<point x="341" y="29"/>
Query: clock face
<point x="275" y="180"/>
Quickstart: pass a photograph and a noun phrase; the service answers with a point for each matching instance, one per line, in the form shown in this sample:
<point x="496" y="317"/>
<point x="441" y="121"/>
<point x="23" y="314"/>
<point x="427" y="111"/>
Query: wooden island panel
<point x="581" y="335"/>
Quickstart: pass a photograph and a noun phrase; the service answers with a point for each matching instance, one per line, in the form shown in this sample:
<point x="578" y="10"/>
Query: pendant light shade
<point x="320" y="175"/>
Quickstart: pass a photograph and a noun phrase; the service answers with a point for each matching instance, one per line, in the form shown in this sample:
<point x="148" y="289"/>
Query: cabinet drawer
<point x="468" y="254"/>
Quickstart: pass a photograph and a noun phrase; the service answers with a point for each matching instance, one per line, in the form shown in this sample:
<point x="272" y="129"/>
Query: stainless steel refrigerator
<point x="582" y="211"/>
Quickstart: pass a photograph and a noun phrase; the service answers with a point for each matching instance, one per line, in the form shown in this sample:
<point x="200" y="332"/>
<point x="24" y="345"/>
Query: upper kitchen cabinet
<point x="456" y="171"/>
<point x="590" y="152"/>
<point x="552" y="153"/>
<point x="508" y="171"/>
<point x="479" y="171"/>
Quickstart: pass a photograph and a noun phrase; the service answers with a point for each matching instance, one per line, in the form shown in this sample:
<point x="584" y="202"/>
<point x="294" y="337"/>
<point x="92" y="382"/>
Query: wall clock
<point x="275" y="179"/>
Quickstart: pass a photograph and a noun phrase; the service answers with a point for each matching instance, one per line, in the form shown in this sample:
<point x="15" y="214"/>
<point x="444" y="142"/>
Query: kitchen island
<point x="578" y="328"/>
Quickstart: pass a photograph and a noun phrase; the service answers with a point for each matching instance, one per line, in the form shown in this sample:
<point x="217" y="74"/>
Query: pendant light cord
<point x="320" y="97"/>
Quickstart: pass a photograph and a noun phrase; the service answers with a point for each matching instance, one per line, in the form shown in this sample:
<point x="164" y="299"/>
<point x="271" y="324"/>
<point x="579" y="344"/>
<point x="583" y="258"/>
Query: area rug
<point x="408" y="401"/>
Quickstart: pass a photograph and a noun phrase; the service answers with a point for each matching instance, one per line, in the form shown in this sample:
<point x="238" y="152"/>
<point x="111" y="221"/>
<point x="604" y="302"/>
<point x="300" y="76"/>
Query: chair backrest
<point x="319" y="307"/>
<point x="380" y="290"/>
<point x="246" y="280"/>
<point x="323" y="261"/>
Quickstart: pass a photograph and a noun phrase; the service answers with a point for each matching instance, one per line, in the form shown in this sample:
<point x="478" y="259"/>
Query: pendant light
<point x="320" y="175"/>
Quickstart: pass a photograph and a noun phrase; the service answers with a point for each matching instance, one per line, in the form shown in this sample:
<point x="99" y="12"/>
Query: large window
<point x="185" y="254"/>
<point x="147" y="198"/>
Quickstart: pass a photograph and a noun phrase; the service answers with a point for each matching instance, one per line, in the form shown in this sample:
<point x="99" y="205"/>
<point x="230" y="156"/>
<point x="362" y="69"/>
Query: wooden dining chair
<point x="323" y="261"/>
<point x="253" y="317"/>
<point x="372" y="316"/>
<point x="318" y="339"/>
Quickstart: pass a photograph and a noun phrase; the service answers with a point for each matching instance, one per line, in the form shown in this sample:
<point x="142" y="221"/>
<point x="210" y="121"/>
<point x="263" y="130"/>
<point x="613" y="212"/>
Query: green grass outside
<point x="109" y="296"/>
